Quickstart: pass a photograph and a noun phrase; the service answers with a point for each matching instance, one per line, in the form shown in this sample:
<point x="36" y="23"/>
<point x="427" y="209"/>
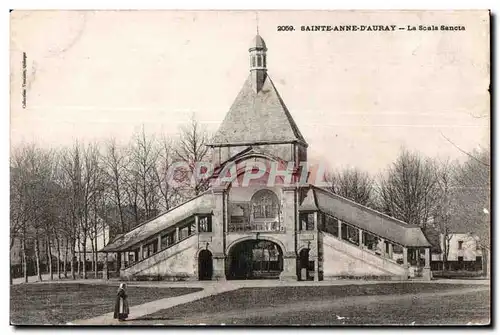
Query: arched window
<point x="265" y="205"/>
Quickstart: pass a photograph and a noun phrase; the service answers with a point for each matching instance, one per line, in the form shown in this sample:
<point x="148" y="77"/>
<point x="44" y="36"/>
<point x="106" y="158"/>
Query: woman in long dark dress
<point x="121" y="305"/>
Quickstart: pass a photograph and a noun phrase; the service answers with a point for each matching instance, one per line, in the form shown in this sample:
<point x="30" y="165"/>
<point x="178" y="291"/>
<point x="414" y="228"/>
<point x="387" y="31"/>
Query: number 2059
<point x="286" y="28"/>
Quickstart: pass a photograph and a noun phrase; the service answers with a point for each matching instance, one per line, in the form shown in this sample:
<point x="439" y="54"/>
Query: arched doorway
<point x="205" y="268"/>
<point x="255" y="259"/>
<point x="304" y="265"/>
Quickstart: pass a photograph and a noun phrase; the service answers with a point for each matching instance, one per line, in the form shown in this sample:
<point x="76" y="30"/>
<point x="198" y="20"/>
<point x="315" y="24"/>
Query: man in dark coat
<point x="121" y="305"/>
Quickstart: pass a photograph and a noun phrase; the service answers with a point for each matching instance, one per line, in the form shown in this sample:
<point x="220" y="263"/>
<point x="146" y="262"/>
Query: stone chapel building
<point x="287" y="231"/>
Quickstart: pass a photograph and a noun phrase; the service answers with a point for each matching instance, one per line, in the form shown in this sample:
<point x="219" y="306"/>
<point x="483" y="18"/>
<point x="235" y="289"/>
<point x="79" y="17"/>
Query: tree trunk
<point x="49" y="258"/>
<point x="72" y="258"/>
<point x="92" y="261"/>
<point x="78" y="265"/>
<point x="37" y="258"/>
<point x="96" y="259"/>
<point x="65" y="262"/>
<point x="25" y="264"/>
<point x="58" y="246"/>
<point x="84" y="250"/>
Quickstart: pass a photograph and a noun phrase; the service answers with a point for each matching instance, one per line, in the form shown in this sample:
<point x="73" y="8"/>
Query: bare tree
<point x="445" y="208"/>
<point x="408" y="191"/>
<point x="115" y="165"/>
<point x="32" y="209"/>
<point x="352" y="184"/>
<point x="141" y="172"/>
<point x="71" y="179"/>
<point x="192" y="149"/>
<point x="169" y="194"/>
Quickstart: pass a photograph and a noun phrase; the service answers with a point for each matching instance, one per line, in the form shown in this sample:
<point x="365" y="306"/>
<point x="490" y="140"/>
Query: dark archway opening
<point x="205" y="268"/>
<point x="305" y="267"/>
<point x="255" y="259"/>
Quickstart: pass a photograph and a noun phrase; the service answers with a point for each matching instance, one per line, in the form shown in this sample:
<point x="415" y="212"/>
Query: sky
<point x="357" y="97"/>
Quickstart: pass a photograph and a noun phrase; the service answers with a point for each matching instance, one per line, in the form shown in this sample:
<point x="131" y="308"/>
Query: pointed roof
<point x="257" y="117"/>
<point x="258" y="43"/>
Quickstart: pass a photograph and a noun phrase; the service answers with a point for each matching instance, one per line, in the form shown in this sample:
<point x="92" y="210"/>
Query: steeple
<point x="258" y="62"/>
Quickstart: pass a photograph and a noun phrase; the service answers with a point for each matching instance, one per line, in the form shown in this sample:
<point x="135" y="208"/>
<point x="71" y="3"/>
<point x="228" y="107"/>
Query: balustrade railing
<point x="261" y="226"/>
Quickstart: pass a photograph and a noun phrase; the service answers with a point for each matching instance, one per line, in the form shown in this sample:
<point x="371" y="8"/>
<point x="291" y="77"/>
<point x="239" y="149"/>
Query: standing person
<point x="121" y="305"/>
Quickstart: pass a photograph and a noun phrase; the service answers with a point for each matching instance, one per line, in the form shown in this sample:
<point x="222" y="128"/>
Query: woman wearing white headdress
<point x="121" y="305"/>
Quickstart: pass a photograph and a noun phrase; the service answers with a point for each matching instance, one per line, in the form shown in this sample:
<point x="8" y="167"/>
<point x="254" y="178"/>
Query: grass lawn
<point x="58" y="303"/>
<point x="391" y="303"/>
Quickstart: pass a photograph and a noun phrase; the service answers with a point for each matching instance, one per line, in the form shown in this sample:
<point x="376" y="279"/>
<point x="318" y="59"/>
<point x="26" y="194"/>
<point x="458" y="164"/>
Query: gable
<point x="257" y="117"/>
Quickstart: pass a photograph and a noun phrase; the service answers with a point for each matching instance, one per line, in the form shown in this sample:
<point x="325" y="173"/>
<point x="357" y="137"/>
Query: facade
<point x="464" y="253"/>
<point x="261" y="218"/>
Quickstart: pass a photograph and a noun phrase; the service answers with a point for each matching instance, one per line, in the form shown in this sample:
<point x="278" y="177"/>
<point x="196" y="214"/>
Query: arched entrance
<point x="304" y="265"/>
<point x="205" y="268"/>
<point x="255" y="259"/>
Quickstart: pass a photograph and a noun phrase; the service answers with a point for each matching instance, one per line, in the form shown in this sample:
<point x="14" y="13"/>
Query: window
<point x="259" y="61"/>
<point x="460" y="245"/>
<point x="253" y="61"/>
<point x="332" y="225"/>
<point x="205" y="224"/>
<point x="306" y="221"/>
<point x="352" y="235"/>
<point x="264" y="60"/>
<point x="265" y="205"/>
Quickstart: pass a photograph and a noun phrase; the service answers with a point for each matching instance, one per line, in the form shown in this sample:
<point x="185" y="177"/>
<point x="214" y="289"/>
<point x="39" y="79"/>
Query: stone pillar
<point x="141" y="253"/>
<point x="122" y="258"/>
<point x="105" y="274"/>
<point x="176" y="234"/>
<point x="417" y="256"/>
<point x="427" y="274"/>
<point x="126" y="257"/>
<point x="405" y="262"/>
<point x="219" y="267"/>
<point x="316" y="221"/>
<point x="159" y="242"/>
<point x="340" y="228"/>
<point x="361" y="238"/>
<point x="390" y="249"/>
<point x="196" y="223"/>
<point x="316" y="268"/>
<point x="382" y="242"/>
<point x="289" y="266"/>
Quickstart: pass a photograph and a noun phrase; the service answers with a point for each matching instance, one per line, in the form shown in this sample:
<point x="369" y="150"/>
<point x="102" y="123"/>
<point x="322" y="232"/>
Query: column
<point x="219" y="267"/>
<point x="340" y="228"/>
<point x="382" y="242"/>
<point x="289" y="266"/>
<point x="127" y="263"/>
<point x="141" y="253"/>
<point x="122" y="260"/>
<point x="427" y="274"/>
<point x="390" y="249"/>
<point x="316" y="221"/>
<point x="196" y="224"/>
<point x="316" y="268"/>
<point x="405" y="262"/>
<point x="417" y="256"/>
<point x="159" y="242"/>
<point x="361" y="238"/>
<point x="176" y="234"/>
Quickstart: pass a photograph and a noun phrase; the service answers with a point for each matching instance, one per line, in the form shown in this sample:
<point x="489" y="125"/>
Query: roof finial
<point x="257" y="21"/>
